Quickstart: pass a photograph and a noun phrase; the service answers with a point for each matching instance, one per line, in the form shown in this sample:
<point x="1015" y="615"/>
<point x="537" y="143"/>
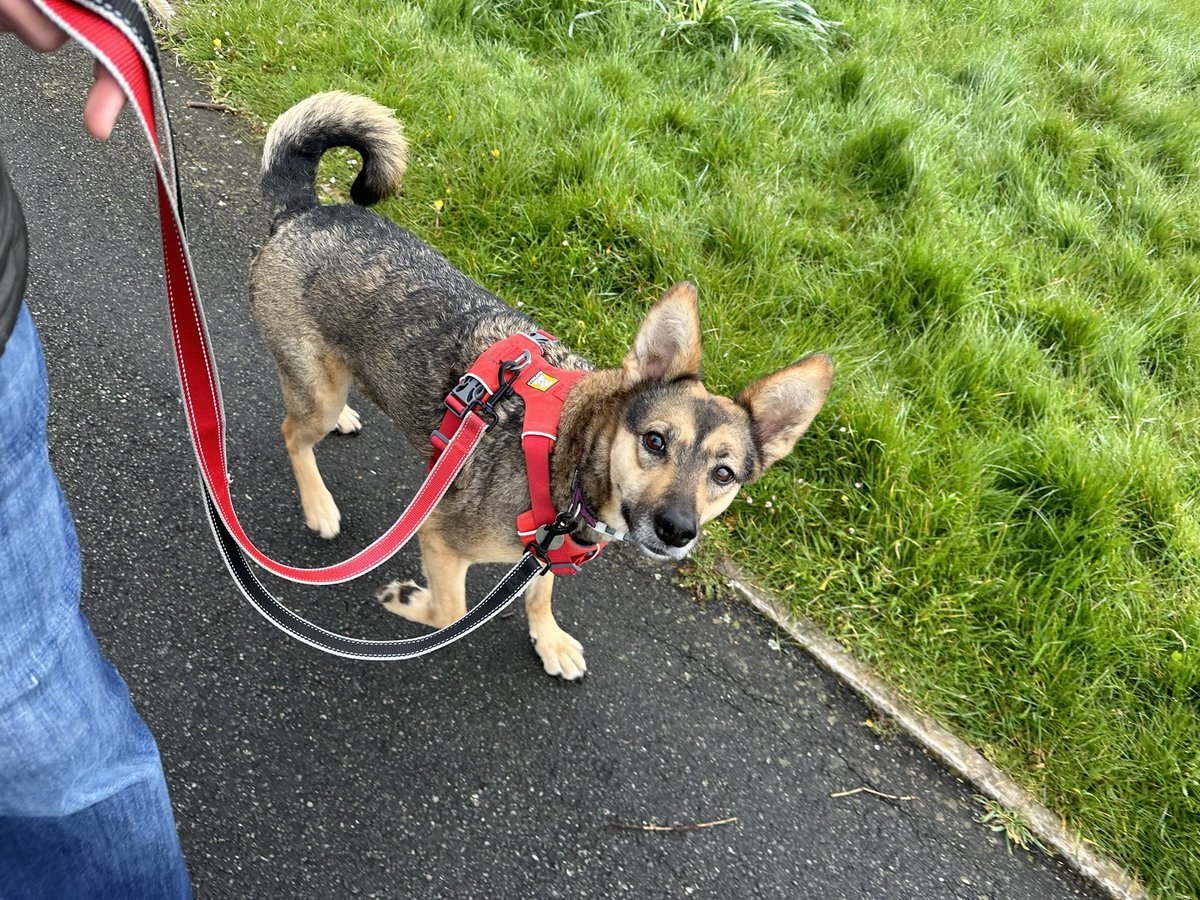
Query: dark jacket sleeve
<point x="14" y="256"/>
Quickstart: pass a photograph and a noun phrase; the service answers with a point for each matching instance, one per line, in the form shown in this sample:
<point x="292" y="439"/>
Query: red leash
<point x="197" y="367"/>
<point x="118" y="34"/>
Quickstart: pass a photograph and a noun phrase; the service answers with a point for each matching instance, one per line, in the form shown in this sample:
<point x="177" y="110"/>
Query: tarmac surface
<point x="469" y="773"/>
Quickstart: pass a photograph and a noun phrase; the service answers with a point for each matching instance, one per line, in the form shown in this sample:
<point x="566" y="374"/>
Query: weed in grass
<point x="1013" y="825"/>
<point x="700" y="577"/>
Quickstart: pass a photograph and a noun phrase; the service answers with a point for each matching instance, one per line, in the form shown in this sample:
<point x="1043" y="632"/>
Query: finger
<point x="29" y="24"/>
<point x="104" y="101"/>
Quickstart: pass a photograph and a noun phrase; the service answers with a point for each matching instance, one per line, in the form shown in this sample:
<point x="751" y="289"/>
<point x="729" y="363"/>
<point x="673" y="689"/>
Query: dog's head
<point x="680" y="453"/>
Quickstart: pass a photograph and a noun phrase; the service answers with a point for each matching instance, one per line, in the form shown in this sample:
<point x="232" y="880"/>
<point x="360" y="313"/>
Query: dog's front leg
<point x="561" y="654"/>
<point x="445" y="599"/>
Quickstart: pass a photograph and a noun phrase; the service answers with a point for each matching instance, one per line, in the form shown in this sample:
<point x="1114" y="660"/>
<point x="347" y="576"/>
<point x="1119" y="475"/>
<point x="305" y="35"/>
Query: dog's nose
<point x="674" y="527"/>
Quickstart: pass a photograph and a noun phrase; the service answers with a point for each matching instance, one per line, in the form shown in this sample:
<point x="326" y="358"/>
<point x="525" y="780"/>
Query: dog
<point x="343" y="296"/>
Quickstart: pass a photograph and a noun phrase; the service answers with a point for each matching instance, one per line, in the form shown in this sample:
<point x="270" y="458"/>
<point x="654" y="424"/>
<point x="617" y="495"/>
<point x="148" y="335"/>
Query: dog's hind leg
<point x="561" y="654"/>
<point x="315" y="402"/>
<point x="445" y="599"/>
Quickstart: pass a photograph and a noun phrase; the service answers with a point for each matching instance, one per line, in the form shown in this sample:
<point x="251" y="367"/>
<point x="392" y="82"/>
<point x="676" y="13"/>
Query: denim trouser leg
<point x="84" y="810"/>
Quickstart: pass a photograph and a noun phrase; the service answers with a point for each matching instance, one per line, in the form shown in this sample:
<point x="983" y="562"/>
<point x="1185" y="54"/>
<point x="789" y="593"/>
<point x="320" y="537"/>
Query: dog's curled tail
<point x="298" y="138"/>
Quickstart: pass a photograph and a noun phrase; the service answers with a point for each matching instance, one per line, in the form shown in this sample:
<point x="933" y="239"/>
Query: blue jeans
<point x="84" y="810"/>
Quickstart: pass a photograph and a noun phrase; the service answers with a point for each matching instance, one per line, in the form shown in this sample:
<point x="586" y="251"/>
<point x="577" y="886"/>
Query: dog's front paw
<point x="322" y="515"/>
<point x="396" y="596"/>
<point x="348" y="422"/>
<point x="561" y="654"/>
<point x="408" y="599"/>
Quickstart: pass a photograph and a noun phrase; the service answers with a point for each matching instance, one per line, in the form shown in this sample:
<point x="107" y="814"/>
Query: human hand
<point x="105" y="97"/>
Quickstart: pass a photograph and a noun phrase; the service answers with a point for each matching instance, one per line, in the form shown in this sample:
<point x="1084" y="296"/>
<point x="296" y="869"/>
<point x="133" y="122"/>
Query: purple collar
<point x="589" y="518"/>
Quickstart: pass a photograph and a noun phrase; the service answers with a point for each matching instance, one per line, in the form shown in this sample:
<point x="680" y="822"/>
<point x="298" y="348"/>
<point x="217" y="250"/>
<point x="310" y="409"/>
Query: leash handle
<point x="119" y="35"/>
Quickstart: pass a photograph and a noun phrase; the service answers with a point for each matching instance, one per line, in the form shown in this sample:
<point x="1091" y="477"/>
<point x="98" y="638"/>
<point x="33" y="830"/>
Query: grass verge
<point x="987" y="212"/>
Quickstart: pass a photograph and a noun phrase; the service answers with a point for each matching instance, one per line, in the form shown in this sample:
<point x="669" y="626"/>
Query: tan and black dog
<point x="343" y="296"/>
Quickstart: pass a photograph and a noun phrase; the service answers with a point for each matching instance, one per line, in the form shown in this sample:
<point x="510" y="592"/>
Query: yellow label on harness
<point x="542" y="382"/>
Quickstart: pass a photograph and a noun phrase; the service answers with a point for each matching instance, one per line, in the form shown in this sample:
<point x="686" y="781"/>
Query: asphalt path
<point x="468" y="773"/>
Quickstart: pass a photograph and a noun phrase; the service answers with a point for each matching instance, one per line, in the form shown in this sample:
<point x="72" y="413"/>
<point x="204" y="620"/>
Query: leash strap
<point x="118" y="34"/>
<point x="508" y="589"/>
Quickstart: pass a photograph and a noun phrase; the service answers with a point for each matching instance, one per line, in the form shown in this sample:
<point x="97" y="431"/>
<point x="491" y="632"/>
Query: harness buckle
<point x="550" y="538"/>
<point x="467" y="394"/>
<point x="472" y="393"/>
<point x="554" y="568"/>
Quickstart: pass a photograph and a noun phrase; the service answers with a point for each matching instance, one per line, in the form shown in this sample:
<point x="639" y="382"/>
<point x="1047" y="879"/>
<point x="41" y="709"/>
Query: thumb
<point x="104" y="101"/>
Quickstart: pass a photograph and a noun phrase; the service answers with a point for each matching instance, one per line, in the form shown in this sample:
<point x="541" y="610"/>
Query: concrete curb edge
<point x="936" y="740"/>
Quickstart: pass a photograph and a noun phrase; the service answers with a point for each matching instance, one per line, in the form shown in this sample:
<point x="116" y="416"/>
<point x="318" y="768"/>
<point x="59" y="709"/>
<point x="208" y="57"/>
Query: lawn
<point x="987" y="212"/>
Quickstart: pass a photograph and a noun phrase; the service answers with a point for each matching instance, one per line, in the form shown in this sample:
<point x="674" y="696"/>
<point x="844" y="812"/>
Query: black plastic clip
<point x="467" y="394"/>
<point x="550" y="537"/>
<point x="471" y="393"/>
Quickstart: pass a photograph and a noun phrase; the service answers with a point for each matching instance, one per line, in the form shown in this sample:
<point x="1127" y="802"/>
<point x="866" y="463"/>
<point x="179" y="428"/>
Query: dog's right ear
<point x="668" y="343"/>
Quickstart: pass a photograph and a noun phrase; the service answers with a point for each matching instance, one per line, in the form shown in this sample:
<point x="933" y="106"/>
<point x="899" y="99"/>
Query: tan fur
<point x="784" y="403"/>
<point x="668" y="343"/>
<point x="310" y="416"/>
<point x="561" y="654"/>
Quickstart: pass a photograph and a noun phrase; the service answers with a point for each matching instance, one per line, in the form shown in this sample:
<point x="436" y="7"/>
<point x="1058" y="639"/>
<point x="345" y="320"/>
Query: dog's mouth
<point x="661" y="553"/>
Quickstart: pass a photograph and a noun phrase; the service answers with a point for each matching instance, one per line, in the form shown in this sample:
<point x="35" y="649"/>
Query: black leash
<point x="509" y="588"/>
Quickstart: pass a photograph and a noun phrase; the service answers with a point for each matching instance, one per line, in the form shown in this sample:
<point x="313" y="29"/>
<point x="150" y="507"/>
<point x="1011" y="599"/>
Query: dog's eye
<point x="723" y="475"/>
<point x="654" y="442"/>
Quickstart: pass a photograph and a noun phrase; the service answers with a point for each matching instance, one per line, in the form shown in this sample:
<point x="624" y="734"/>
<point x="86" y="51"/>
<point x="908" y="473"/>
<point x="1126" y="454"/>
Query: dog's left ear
<point x="783" y="404"/>
<point x="668" y="343"/>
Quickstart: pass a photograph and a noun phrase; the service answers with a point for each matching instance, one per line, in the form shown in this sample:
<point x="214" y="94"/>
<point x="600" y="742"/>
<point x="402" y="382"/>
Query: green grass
<point x="988" y="212"/>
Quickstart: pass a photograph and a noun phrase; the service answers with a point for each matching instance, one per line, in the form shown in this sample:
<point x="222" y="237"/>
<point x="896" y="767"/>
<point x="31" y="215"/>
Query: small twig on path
<point x="867" y="790"/>
<point x="215" y="107"/>
<point x="692" y="826"/>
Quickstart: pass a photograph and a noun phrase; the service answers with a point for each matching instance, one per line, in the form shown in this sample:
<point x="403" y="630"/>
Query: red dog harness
<point x="517" y="365"/>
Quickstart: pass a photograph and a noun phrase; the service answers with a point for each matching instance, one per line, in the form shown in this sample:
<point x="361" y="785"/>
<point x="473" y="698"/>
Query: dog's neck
<point x="585" y="433"/>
